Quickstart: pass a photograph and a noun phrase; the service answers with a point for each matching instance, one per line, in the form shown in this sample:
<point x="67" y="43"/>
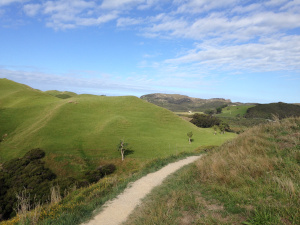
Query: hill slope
<point x="280" y="109"/>
<point x="182" y="103"/>
<point x="79" y="132"/>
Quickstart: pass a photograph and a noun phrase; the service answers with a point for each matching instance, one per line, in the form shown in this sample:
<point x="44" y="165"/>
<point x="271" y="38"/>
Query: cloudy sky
<point x="247" y="51"/>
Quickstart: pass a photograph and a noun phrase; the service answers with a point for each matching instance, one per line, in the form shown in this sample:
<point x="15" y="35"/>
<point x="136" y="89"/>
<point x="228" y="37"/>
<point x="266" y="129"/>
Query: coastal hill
<point x="183" y="103"/>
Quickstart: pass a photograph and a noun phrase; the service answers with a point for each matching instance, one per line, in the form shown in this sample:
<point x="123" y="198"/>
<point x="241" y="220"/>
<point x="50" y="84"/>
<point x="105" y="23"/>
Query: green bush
<point x="35" y="154"/>
<point x="63" y="96"/>
<point x="201" y="120"/>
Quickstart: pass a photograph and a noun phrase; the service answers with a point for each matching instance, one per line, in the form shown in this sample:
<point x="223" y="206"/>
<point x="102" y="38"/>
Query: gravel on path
<point x="116" y="211"/>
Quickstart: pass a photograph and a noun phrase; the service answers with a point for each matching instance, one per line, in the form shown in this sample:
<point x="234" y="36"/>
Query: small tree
<point x="222" y="128"/>
<point x="122" y="147"/>
<point x="215" y="127"/>
<point x="209" y="112"/>
<point x="190" y="135"/>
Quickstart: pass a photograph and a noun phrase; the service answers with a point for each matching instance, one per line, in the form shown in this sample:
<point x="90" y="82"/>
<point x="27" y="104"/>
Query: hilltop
<point x="81" y="132"/>
<point x="183" y="103"/>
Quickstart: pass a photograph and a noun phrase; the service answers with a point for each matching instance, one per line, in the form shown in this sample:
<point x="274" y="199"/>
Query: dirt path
<point x="117" y="210"/>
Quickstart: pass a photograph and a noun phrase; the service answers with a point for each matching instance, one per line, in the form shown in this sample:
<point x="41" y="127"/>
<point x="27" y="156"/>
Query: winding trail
<point x="117" y="210"/>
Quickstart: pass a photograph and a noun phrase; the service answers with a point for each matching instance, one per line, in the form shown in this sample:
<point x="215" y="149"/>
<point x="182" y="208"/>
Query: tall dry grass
<point x="254" y="153"/>
<point x="27" y="212"/>
<point x="55" y="196"/>
<point x="261" y="168"/>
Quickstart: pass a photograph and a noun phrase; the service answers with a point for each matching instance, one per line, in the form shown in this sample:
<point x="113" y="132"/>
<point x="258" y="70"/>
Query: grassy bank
<point x="253" y="179"/>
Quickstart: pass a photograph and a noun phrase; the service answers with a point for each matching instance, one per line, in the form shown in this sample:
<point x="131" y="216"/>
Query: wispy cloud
<point x="125" y="22"/>
<point x="119" y="4"/>
<point x="7" y="2"/>
<point x="267" y="55"/>
<point x="32" y="9"/>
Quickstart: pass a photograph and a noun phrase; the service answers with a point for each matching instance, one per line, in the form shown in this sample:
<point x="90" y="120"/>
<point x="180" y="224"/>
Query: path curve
<point x="117" y="210"/>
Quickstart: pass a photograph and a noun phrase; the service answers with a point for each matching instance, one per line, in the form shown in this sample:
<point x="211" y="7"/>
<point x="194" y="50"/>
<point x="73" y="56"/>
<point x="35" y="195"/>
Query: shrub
<point x="201" y="120"/>
<point x="35" y="154"/>
<point x="100" y="172"/>
<point x="107" y="169"/>
<point x="63" y="96"/>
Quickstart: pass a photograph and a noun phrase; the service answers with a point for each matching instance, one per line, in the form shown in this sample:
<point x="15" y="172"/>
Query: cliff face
<point x="180" y="103"/>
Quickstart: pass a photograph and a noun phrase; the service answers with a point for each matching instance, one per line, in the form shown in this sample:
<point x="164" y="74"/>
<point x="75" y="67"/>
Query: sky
<point x="246" y="51"/>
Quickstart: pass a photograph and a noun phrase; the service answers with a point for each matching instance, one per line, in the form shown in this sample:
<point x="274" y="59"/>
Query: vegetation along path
<point x="117" y="210"/>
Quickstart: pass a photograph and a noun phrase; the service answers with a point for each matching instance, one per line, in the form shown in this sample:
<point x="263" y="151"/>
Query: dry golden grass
<point x="252" y="154"/>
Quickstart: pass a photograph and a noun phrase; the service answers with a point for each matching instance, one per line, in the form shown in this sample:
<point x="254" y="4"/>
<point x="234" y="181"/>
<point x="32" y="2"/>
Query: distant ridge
<point x="179" y="103"/>
<point x="268" y="111"/>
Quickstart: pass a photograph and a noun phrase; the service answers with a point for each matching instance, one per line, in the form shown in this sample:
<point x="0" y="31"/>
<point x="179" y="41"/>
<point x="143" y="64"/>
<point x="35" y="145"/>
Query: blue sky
<point x="247" y="51"/>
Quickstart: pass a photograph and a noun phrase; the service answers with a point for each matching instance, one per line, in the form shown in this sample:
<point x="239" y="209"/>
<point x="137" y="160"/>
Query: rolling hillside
<point x="78" y="132"/>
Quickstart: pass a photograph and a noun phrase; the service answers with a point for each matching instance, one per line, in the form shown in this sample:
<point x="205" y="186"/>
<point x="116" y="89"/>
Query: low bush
<point x="205" y="121"/>
<point x="100" y="172"/>
<point x="35" y="154"/>
<point x="63" y="96"/>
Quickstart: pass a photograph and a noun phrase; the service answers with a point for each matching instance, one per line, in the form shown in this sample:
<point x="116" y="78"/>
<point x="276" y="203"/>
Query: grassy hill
<point x="183" y="103"/>
<point x="80" y="132"/>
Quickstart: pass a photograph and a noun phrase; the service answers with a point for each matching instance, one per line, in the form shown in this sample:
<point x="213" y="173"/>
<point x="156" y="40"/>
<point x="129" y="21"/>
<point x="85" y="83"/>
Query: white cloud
<point x="275" y="2"/>
<point x="69" y="14"/>
<point x="75" y="6"/>
<point x="122" y="22"/>
<point x="196" y="6"/>
<point x="96" y="21"/>
<point x="292" y="6"/>
<point x="150" y="3"/>
<point x="119" y="4"/>
<point x="32" y="9"/>
<point x="223" y="27"/>
<point x="7" y="2"/>
<point x="267" y="55"/>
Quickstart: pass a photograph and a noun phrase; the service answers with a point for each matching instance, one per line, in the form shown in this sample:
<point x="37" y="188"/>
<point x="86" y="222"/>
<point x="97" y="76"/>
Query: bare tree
<point x="122" y="147"/>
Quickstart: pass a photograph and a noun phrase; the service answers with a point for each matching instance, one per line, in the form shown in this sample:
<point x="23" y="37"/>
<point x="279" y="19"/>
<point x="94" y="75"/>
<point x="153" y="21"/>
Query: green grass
<point x="253" y="179"/>
<point x="55" y="93"/>
<point x="233" y="111"/>
<point x="84" y="130"/>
